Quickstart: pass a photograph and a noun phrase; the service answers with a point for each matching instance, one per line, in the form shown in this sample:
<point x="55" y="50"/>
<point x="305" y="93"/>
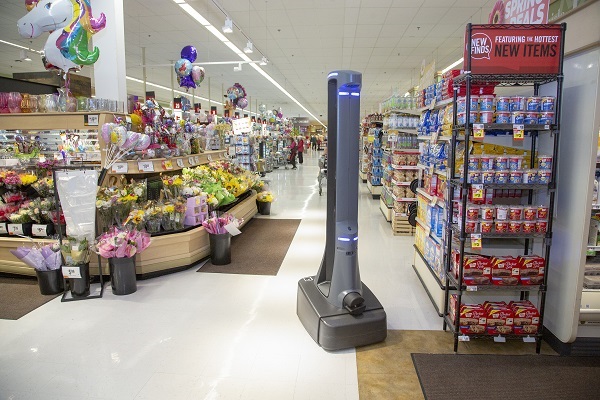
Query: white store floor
<point x="214" y="336"/>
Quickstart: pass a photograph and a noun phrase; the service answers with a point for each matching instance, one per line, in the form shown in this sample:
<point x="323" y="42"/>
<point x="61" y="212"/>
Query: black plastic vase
<point x="220" y="248"/>
<point x="264" y="208"/>
<point x="80" y="287"/>
<point x="122" y="275"/>
<point x="50" y="282"/>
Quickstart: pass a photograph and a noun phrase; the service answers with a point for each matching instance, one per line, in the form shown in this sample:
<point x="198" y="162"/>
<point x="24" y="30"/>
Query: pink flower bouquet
<point x="121" y="243"/>
<point x="216" y="224"/>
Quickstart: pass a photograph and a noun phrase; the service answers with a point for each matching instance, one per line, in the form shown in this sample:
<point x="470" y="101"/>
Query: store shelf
<point x="509" y="127"/>
<point x="431" y="282"/>
<point x="442" y="172"/>
<point x="385" y="209"/>
<point x="396" y="183"/>
<point x="494" y="235"/>
<point x="405" y="111"/>
<point x="594" y="248"/>
<point x="507" y="80"/>
<point x="439" y="202"/>
<point x="404" y="151"/>
<point x="403" y="199"/>
<point x="439" y="138"/>
<point x="595" y="207"/>
<point x="412" y="131"/>
<point x="438" y="104"/>
<point x="375" y="190"/>
<point x="465" y="337"/>
<point x="502" y="186"/>
<point x="402" y="167"/>
<point x="427" y="229"/>
<point x="493" y="288"/>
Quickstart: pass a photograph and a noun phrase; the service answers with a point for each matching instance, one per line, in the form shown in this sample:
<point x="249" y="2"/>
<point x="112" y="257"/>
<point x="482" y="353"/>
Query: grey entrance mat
<point x="491" y="377"/>
<point x="260" y="249"/>
<point x="19" y="296"/>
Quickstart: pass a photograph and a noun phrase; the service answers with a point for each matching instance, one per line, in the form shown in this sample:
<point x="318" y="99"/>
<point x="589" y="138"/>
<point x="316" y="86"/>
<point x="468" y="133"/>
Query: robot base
<point x="334" y="328"/>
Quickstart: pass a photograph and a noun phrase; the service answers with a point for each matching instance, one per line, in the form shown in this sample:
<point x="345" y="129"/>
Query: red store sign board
<point x="513" y="49"/>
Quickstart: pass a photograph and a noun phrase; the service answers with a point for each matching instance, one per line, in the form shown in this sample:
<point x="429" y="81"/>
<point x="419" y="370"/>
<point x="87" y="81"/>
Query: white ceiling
<point x="386" y="40"/>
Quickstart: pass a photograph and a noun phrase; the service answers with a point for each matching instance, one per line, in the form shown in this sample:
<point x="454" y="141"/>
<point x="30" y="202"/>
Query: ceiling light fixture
<point x="454" y="64"/>
<point x="194" y="14"/>
<point x="249" y="47"/>
<point x="228" y="27"/>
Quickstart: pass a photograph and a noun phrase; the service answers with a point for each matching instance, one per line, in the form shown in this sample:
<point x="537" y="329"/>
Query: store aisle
<point x="213" y="336"/>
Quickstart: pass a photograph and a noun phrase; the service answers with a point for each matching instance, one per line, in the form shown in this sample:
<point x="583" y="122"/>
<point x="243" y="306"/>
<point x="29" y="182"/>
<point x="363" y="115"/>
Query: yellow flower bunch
<point x="27" y="179"/>
<point x="169" y="209"/>
<point x="136" y="217"/>
<point x="265" y="197"/>
<point x="127" y="198"/>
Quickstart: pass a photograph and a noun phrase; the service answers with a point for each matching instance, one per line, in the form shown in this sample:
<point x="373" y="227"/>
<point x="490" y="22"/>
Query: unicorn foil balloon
<point x="71" y="27"/>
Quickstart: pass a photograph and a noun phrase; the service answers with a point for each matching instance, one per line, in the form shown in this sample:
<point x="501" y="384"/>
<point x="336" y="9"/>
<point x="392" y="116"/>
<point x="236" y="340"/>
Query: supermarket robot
<point x="334" y="306"/>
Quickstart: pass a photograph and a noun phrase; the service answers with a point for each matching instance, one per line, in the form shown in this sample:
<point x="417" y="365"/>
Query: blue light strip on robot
<point x="343" y="93"/>
<point x="343" y="239"/>
<point x="355" y="94"/>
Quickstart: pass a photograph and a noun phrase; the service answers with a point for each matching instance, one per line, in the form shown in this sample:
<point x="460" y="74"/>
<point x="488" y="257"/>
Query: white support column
<point x="110" y="70"/>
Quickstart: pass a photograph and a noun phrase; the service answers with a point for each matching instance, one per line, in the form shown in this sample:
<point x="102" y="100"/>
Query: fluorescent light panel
<point x="454" y="64"/>
<point x="187" y="8"/>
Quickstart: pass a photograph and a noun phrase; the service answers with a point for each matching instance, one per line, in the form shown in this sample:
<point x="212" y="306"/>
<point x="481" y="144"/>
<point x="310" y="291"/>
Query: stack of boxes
<point x="196" y="212"/>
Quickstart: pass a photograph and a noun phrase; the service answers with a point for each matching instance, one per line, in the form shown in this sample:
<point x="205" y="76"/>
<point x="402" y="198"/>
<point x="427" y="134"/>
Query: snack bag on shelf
<point x="505" y="270"/>
<point x="531" y="269"/>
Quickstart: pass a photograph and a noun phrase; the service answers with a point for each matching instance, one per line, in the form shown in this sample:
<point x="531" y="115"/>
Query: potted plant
<point x="263" y="202"/>
<point x="119" y="246"/>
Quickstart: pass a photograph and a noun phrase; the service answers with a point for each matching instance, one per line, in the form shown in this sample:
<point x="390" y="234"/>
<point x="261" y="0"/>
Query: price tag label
<point x="464" y="338"/>
<point x="167" y="164"/>
<point x="518" y="131"/>
<point x="431" y="169"/>
<point x="434" y="200"/>
<point x="209" y="158"/>
<point x="476" y="241"/>
<point x="471" y="288"/>
<point x="120" y="168"/>
<point x="91" y="119"/>
<point x="39" y="230"/>
<point x="478" y="131"/>
<point x="528" y="339"/>
<point x="477" y="191"/>
<point x="71" y="272"/>
<point x="180" y="163"/>
<point x="191" y="161"/>
<point x="15" y="229"/>
<point x="432" y="105"/>
<point x="427" y="230"/>
<point x="196" y="160"/>
<point x="499" y="339"/>
<point x="547" y="127"/>
<point x="3" y="229"/>
<point x="146" y="166"/>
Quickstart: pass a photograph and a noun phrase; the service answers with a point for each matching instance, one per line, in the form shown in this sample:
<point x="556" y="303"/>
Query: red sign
<point x="520" y="12"/>
<point x="510" y="49"/>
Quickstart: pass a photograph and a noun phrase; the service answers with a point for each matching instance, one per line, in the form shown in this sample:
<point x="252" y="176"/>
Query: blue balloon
<point x="189" y="53"/>
<point x="183" y="67"/>
<point x="187" y="82"/>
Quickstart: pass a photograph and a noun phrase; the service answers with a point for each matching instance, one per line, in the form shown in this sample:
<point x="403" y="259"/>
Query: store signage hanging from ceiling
<point x="513" y="49"/>
<point x="520" y="12"/>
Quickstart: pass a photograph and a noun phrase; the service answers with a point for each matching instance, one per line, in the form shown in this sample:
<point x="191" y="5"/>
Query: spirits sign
<point x="510" y="49"/>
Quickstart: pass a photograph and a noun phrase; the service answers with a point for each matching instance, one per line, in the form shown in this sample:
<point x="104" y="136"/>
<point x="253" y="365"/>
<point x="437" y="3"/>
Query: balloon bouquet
<point x="236" y="96"/>
<point x="188" y="75"/>
<point x="120" y="142"/>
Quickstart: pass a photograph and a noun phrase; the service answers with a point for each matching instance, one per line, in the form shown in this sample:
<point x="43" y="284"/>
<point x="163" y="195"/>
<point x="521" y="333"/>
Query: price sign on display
<point x="120" y="168"/>
<point x="518" y="131"/>
<point x="427" y="231"/>
<point x="146" y="166"/>
<point x="477" y="191"/>
<point x="196" y="160"/>
<point x="91" y="119"/>
<point x="476" y="241"/>
<point x="478" y="131"/>
<point x="434" y="200"/>
<point x="167" y="164"/>
<point x="435" y="135"/>
<point x="3" y="229"/>
<point x="15" y="229"/>
<point x="71" y="272"/>
<point x="39" y="230"/>
<point x="180" y="162"/>
<point x="209" y="157"/>
<point x="191" y="161"/>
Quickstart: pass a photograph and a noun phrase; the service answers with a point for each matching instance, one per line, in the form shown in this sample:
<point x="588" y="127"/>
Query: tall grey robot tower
<point x="334" y="306"/>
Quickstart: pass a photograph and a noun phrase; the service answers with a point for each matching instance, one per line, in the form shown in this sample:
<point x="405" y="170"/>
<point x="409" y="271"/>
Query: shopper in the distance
<point x="300" y="150"/>
<point x="313" y="142"/>
<point x="293" y="150"/>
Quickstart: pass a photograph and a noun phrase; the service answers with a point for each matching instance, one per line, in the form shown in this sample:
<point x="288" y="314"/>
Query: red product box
<point x="505" y="271"/>
<point x="489" y="304"/>
<point x="476" y="270"/>
<point x="520" y="303"/>
<point x="499" y="320"/>
<point x="526" y="320"/>
<point x="531" y="270"/>
<point x="473" y="319"/>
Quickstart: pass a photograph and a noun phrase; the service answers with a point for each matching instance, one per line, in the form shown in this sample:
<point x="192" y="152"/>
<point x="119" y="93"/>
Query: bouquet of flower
<point x="12" y="197"/>
<point x="121" y="243"/>
<point x="216" y="224"/>
<point x="40" y="209"/>
<point x="12" y="180"/>
<point x="265" y="197"/>
<point x="6" y="210"/>
<point x="46" y="258"/>
<point x="180" y="207"/>
<point x="45" y="167"/>
<point x="135" y="219"/>
<point x="27" y="179"/>
<point x="22" y="216"/>
<point x="139" y="189"/>
<point x="168" y="217"/>
<point x="44" y="187"/>
<point x="172" y="186"/>
<point x="75" y="250"/>
<point x="153" y="217"/>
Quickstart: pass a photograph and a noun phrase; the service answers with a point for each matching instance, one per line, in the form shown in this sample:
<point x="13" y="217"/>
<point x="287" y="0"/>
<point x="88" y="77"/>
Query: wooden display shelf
<point x="56" y="120"/>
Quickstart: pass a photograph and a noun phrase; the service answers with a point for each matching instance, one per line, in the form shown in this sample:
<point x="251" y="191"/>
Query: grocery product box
<point x="196" y="205"/>
<point x="505" y="270"/>
<point x="526" y="320"/>
<point x="531" y="270"/>
<point x="500" y="319"/>
<point x="476" y="269"/>
<point x="194" y="220"/>
<point x="473" y="319"/>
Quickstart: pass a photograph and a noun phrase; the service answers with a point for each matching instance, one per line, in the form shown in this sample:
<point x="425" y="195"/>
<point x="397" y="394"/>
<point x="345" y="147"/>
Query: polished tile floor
<point x="214" y="336"/>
